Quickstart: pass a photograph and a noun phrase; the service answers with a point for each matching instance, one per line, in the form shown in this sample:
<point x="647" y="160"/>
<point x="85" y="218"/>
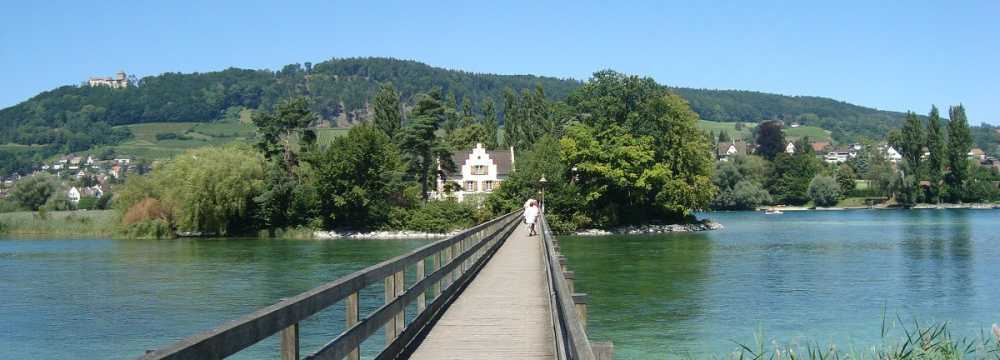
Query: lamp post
<point x="541" y="183"/>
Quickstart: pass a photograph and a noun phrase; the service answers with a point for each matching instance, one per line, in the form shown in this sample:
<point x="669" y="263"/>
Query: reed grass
<point x="916" y="341"/>
<point x="58" y="223"/>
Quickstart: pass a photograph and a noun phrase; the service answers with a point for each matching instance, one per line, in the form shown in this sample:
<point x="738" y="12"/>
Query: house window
<point x="488" y="185"/>
<point x="470" y="186"/>
<point x="479" y="170"/>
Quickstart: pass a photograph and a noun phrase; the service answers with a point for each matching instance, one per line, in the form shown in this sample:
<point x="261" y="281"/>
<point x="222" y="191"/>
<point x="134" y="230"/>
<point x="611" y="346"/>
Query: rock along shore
<point x="653" y="229"/>
<point x="393" y="235"/>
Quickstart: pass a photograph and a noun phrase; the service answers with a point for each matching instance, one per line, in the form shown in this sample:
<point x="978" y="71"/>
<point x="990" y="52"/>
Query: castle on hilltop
<point x="119" y="81"/>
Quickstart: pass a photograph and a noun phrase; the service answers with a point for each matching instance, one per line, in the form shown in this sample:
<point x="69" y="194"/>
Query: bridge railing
<point x="569" y="315"/>
<point x="452" y="263"/>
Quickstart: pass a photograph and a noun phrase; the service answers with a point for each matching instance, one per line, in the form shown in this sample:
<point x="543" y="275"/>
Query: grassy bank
<point x="59" y="223"/>
<point x="900" y="341"/>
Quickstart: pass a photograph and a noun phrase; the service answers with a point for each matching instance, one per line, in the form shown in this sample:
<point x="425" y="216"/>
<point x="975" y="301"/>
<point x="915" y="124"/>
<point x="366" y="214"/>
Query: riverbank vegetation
<point x="621" y="150"/>
<point x="900" y="342"/>
<point x="935" y="168"/>
<point x="58" y="223"/>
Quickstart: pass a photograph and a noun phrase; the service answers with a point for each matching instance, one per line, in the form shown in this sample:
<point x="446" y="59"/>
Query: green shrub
<point x="435" y="217"/>
<point x="824" y="190"/>
<point x="7" y="206"/>
<point x="87" y="202"/>
<point x="149" y="229"/>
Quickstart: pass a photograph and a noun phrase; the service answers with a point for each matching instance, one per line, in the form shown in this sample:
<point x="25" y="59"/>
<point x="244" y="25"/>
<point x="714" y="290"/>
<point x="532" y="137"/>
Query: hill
<point x="744" y="130"/>
<point x="75" y="118"/>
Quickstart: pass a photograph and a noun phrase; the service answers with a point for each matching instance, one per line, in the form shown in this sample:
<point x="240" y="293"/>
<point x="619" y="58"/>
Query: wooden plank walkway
<point x="503" y="314"/>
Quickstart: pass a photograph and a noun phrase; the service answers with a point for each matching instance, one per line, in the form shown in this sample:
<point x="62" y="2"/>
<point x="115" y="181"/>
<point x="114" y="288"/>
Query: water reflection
<point x="816" y="276"/>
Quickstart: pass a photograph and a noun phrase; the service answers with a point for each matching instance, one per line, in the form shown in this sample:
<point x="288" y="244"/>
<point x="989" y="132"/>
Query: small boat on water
<point x="772" y="212"/>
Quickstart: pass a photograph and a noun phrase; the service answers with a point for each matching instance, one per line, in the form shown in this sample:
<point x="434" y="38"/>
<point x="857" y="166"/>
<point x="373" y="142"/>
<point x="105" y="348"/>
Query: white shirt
<point x="530" y="214"/>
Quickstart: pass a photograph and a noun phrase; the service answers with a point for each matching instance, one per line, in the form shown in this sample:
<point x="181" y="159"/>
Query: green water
<point x="114" y="299"/>
<point x="821" y="276"/>
<point x="797" y="278"/>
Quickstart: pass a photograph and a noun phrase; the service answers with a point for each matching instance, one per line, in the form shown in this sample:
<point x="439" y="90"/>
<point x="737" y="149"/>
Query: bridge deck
<point x="503" y="314"/>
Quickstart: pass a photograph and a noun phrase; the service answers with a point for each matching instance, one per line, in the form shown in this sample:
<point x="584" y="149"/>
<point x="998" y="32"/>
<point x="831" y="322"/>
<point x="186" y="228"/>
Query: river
<point x="822" y="276"/>
<point x="796" y="278"/>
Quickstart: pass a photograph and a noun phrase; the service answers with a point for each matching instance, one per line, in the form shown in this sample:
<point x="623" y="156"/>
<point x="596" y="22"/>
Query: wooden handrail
<point x="453" y="258"/>
<point x="569" y="324"/>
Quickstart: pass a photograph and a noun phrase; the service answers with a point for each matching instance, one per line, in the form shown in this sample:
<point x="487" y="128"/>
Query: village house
<point x="837" y="156"/>
<point x="977" y="154"/>
<point x="74" y="195"/>
<point x="727" y="149"/>
<point x="790" y="147"/>
<point x="820" y="147"/>
<point x="478" y="172"/>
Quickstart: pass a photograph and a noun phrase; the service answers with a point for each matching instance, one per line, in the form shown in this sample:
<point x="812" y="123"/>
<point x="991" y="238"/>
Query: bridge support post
<point x="422" y="298"/>
<point x="570" y="276"/>
<point x="351" y="319"/>
<point x="580" y="300"/>
<point x="562" y="263"/>
<point x="400" y="286"/>
<point x="603" y="350"/>
<point x="435" y="266"/>
<point x="390" y="293"/>
<point x="290" y="343"/>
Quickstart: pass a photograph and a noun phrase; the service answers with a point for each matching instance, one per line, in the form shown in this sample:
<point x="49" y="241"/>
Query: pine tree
<point x="468" y="118"/>
<point x="451" y="115"/>
<point x="387" y="110"/>
<point x="959" y="144"/>
<point x="420" y="143"/>
<point x="511" y="118"/>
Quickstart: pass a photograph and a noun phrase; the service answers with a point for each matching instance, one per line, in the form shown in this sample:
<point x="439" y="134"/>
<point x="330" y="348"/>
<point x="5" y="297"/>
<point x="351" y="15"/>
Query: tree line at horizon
<point x="76" y="118"/>
<point x="935" y="168"/>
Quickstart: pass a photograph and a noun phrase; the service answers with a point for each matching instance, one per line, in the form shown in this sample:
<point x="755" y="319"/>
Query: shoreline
<point x="651" y="229"/>
<point x="973" y="206"/>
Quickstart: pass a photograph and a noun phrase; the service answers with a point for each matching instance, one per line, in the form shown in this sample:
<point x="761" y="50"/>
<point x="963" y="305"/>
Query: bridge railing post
<point x="422" y="298"/>
<point x="290" y="343"/>
<point x="400" y="287"/>
<point x="351" y="318"/>
<point x="580" y="300"/>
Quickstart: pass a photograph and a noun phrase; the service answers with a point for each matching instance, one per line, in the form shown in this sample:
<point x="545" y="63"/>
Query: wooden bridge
<point x="490" y="292"/>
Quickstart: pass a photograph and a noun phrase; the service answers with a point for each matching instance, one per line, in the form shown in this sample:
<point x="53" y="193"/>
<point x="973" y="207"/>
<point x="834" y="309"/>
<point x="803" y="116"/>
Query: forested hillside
<point x="74" y="118"/>
<point x="848" y="122"/>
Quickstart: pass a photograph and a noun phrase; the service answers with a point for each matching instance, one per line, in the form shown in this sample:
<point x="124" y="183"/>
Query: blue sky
<point x="900" y="56"/>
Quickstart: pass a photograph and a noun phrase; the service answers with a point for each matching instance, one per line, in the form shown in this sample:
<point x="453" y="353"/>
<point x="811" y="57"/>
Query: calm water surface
<point x="113" y="299"/>
<point x="797" y="277"/>
<point x="822" y="276"/>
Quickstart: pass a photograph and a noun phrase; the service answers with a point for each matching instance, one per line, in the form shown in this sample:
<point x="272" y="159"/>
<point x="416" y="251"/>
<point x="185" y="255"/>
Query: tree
<point x="491" y="124"/>
<point x="212" y="190"/>
<point x="745" y="195"/>
<point x="466" y="138"/>
<point x="959" y="144"/>
<point x="420" y="143"/>
<point x="388" y="117"/>
<point x="278" y="130"/>
<point x="33" y="192"/>
<point x="637" y="122"/>
<point x="846" y="178"/>
<point x="358" y="179"/>
<point x="824" y="191"/>
<point x="724" y="136"/>
<point x="936" y="160"/>
<point x="451" y="116"/>
<point x="792" y="174"/>
<point x="909" y="141"/>
<point x="770" y="139"/>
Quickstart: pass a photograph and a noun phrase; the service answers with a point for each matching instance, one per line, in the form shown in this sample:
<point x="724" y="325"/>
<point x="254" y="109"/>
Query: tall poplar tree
<point x="959" y="144"/>
<point x="491" y="123"/>
<point x="388" y="116"/>
<point x="936" y="148"/>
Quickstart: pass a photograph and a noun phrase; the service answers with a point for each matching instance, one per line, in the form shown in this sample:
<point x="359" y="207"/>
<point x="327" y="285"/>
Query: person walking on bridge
<point x="527" y="204"/>
<point x="531" y="217"/>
